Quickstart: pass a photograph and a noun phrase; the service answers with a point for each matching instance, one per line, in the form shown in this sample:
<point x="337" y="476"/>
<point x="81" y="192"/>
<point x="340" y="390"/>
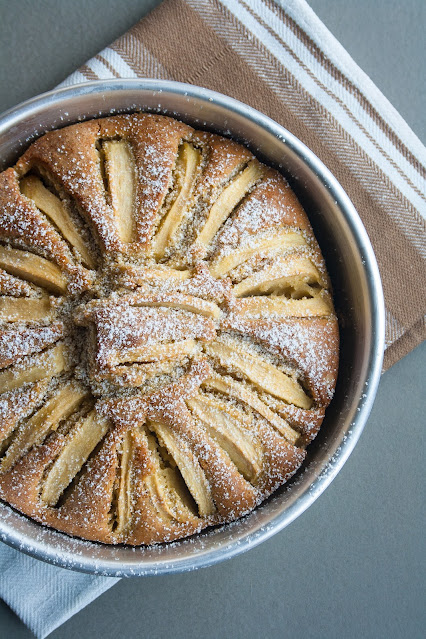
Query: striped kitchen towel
<point x="279" y="58"/>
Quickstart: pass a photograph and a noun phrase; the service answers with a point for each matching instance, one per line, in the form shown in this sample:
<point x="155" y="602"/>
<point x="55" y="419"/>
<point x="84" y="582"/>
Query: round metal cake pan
<point x="358" y="297"/>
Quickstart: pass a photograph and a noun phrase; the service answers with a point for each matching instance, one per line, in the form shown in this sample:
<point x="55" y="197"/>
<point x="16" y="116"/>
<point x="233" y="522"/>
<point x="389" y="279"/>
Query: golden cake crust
<point x="168" y="342"/>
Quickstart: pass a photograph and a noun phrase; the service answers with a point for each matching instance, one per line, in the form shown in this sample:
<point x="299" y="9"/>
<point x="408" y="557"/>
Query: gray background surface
<point x="352" y="565"/>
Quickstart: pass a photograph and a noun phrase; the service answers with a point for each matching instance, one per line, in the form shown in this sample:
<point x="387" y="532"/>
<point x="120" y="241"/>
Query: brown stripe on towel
<point x="347" y="84"/>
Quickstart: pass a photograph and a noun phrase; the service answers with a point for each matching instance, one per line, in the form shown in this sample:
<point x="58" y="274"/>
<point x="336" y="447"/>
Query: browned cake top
<point x="168" y="343"/>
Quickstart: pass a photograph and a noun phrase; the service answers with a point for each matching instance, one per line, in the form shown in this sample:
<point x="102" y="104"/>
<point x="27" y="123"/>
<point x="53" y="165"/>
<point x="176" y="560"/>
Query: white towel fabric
<point x="45" y="596"/>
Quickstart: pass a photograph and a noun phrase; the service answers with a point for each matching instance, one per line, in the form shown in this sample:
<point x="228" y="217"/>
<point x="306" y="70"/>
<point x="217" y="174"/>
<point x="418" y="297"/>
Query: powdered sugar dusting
<point x="141" y="357"/>
<point x="14" y="345"/>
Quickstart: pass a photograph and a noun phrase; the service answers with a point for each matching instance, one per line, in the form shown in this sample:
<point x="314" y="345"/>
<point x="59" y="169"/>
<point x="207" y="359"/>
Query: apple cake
<point x="168" y="342"/>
